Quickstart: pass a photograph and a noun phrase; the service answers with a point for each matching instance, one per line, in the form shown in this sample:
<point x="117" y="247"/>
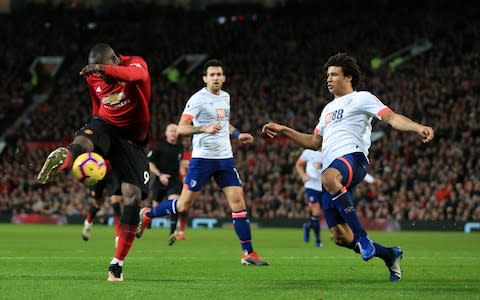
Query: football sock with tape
<point x="166" y="207"/>
<point x="183" y="222"/>
<point x="383" y="252"/>
<point x="173" y="223"/>
<point x="241" y="224"/>
<point x="128" y="228"/>
<point x="343" y="202"/>
<point x="117" y="213"/>
<point x="315" y="224"/>
<point x="74" y="151"/>
<point x="92" y="212"/>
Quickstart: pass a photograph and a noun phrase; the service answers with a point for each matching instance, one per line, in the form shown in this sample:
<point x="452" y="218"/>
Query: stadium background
<point x="274" y="52"/>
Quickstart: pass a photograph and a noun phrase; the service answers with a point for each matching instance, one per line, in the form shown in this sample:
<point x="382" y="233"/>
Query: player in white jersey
<point x="343" y="133"/>
<point x="309" y="168"/>
<point x="207" y="117"/>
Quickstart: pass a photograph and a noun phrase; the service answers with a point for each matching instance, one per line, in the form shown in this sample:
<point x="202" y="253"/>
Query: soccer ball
<point x="89" y="168"/>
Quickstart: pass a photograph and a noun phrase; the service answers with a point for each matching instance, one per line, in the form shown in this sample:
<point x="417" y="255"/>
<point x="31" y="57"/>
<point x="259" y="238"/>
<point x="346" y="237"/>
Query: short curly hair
<point x="348" y="64"/>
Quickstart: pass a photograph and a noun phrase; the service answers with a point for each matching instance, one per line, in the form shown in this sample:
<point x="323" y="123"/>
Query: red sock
<point x="117" y="213"/>
<point x="183" y="221"/>
<point x="91" y="213"/>
<point x="127" y="235"/>
<point x="108" y="164"/>
<point x="68" y="162"/>
<point x="89" y="218"/>
<point x="116" y="225"/>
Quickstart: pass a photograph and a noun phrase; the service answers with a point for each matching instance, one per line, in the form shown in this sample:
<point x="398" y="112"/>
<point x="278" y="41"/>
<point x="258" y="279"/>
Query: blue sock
<point x="383" y="252"/>
<point x="315" y="224"/>
<point x="166" y="207"/>
<point x="343" y="202"/>
<point x="242" y="228"/>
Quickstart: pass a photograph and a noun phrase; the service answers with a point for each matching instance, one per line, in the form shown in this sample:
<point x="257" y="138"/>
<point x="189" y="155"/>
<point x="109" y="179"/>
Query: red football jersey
<point x="124" y="102"/>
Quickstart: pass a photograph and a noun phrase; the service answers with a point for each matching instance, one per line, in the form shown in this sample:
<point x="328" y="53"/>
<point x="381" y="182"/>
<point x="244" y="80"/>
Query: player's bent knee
<point x="84" y="142"/>
<point x="332" y="180"/>
<point x="131" y="194"/>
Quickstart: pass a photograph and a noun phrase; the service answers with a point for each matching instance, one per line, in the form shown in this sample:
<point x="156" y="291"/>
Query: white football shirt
<point x="313" y="168"/>
<point x="205" y="108"/>
<point x="346" y="124"/>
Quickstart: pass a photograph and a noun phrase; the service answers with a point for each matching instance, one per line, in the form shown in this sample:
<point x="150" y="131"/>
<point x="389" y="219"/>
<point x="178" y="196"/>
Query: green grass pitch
<point x="53" y="262"/>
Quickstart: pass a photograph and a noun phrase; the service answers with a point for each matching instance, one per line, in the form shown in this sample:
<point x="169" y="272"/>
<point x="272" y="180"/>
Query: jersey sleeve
<point x="369" y="178"/>
<point x="191" y="109"/>
<point x="135" y="69"/>
<point x="152" y="154"/>
<point x="371" y="105"/>
<point x="94" y="100"/>
<point x="304" y="156"/>
<point x="187" y="155"/>
<point x="319" y="128"/>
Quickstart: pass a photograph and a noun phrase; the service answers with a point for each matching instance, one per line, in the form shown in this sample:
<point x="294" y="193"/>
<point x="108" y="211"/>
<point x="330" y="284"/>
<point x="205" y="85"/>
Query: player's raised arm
<point x="403" y="123"/>
<point x="104" y="62"/>
<point x="135" y="71"/>
<point x="95" y="101"/>
<point x="309" y="141"/>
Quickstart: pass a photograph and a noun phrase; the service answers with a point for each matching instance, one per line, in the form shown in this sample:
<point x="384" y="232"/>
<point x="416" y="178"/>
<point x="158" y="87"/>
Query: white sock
<point x="116" y="261"/>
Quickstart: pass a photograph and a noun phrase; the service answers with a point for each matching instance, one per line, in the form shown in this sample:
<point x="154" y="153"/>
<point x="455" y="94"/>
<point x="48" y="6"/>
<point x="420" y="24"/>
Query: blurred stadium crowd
<point x="274" y="60"/>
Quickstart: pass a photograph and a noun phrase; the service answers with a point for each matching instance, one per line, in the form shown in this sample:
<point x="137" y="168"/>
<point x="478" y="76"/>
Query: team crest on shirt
<point x="113" y="98"/>
<point x="220" y="114"/>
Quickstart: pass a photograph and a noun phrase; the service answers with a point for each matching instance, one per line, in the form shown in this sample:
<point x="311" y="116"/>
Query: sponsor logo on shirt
<point x="113" y="98"/>
<point x="332" y="116"/>
<point x="118" y="104"/>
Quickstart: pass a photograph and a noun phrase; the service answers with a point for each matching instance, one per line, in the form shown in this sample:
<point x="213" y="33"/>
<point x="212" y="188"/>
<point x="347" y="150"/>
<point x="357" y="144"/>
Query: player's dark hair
<point x="348" y="64"/>
<point x="213" y="63"/>
<point x="99" y="51"/>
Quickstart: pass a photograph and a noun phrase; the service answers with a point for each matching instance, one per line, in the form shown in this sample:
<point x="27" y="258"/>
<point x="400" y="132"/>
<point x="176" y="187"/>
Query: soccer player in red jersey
<point x="119" y="131"/>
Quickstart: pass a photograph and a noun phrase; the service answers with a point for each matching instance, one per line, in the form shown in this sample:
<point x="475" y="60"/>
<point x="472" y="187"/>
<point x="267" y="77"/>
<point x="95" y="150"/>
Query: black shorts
<point x="160" y="191"/>
<point x="109" y="183"/>
<point x="129" y="161"/>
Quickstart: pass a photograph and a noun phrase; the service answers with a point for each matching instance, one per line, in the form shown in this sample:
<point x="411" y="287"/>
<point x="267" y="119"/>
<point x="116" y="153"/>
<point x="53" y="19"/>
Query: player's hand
<point x="164" y="178"/>
<point x="245" y="138"/>
<point x="272" y="129"/>
<point x="305" y="178"/>
<point x="212" y="129"/>
<point x="426" y="133"/>
<point x="91" y="69"/>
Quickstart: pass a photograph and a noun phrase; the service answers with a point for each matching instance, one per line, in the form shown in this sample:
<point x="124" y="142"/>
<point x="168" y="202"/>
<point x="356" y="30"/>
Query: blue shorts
<point x="314" y="196"/>
<point x="354" y="168"/>
<point x="201" y="169"/>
